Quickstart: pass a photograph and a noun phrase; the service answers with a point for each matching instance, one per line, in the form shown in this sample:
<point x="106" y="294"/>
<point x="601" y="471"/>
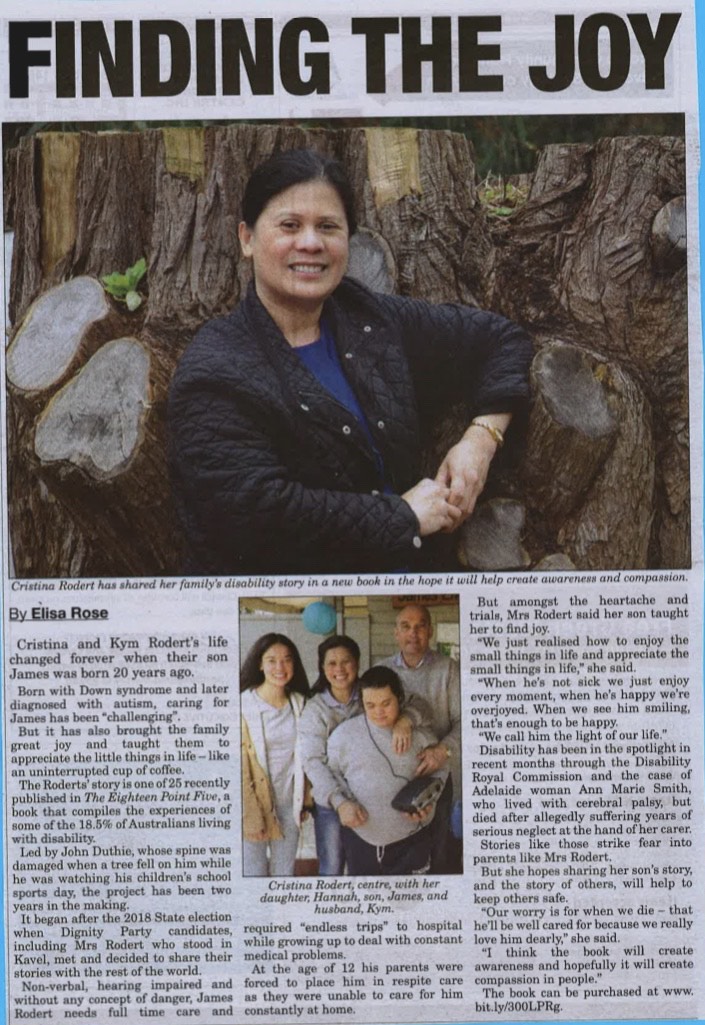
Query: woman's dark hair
<point x="251" y="674"/>
<point x="336" y="641"/>
<point x="295" y="167"/>
<point x="379" y="677"/>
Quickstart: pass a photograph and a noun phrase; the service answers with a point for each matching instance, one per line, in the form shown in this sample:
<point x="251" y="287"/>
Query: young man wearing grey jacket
<point x="378" y="838"/>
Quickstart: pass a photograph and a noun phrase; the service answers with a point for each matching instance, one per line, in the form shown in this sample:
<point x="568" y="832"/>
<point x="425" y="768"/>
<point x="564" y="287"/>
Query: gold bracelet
<point x="494" y="432"/>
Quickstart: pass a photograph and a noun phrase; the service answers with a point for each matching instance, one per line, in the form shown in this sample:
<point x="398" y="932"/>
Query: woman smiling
<point x="298" y="421"/>
<point x="299" y="250"/>
<point x="334" y="699"/>
<point x="273" y="688"/>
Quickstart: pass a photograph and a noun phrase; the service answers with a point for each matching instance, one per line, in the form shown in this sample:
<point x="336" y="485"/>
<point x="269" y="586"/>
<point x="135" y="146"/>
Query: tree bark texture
<point x="596" y="257"/>
<point x="593" y="265"/>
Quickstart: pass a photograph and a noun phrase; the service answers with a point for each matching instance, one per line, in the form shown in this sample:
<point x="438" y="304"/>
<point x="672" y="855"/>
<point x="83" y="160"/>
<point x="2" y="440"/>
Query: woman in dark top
<point x="297" y="421"/>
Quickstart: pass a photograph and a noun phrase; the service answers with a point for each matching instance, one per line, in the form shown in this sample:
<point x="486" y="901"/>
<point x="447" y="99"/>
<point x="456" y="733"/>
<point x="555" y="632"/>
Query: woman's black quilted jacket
<point x="272" y="475"/>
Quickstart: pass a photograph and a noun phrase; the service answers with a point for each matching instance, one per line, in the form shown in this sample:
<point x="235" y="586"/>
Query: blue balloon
<point x="319" y="618"/>
<point x="456" y="820"/>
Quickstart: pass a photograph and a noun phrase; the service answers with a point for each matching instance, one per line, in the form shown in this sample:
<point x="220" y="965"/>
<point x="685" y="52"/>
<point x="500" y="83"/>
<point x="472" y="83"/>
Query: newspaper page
<point x="281" y="743"/>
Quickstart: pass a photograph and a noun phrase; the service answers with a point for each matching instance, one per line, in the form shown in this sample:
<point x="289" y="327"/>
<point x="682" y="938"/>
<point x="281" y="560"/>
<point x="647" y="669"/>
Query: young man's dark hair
<point x="379" y="677"/>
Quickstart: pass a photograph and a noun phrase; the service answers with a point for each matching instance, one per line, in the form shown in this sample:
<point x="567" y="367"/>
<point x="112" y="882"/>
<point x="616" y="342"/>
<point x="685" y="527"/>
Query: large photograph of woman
<point x="277" y="357"/>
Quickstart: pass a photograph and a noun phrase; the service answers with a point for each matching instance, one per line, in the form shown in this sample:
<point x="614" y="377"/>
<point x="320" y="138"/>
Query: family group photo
<point x="350" y="742"/>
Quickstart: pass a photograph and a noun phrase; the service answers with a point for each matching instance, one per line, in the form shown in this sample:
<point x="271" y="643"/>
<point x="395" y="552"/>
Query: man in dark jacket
<point x="274" y="475"/>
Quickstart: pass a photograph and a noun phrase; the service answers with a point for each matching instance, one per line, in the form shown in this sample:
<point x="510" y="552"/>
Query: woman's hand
<point x="352" y="814"/>
<point x="429" y="501"/>
<point x="401" y="735"/>
<point x="466" y="465"/>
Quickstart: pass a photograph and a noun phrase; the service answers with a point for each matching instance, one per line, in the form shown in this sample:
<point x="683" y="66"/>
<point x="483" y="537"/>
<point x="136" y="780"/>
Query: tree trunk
<point x="597" y="257"/>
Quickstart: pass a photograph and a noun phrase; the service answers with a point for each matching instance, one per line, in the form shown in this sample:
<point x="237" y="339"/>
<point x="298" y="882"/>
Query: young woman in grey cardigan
<point x="273" y="689"/>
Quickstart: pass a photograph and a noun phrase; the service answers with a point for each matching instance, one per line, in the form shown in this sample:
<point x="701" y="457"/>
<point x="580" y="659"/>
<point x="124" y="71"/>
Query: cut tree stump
<point x="371" y="261"/>
<point x="668" y="236"/>
<point x="573" y="427"/>
<point x="590" y="464"/>
<point x="96" y="421"/>
<point x="491" y="538"/>
<point x="52" y="331"/>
